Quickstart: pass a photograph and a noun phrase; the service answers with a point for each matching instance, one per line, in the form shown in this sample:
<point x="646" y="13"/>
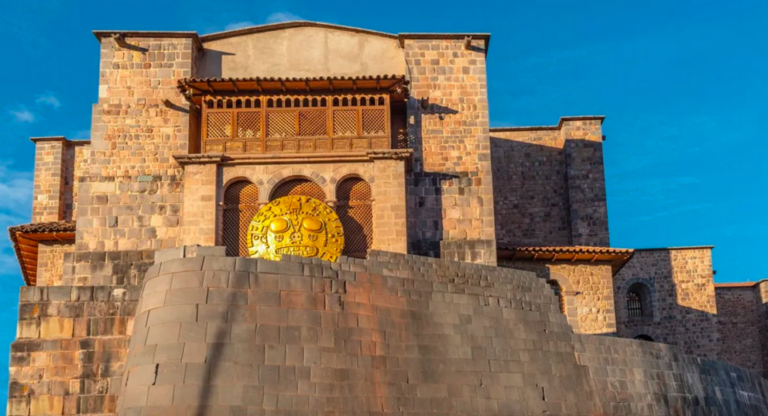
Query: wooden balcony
<point x="294" y="123"/>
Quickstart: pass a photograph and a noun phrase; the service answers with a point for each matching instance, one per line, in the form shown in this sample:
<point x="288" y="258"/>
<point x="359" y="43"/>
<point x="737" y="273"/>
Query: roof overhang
<point x="616" y="257"/>
<point x="195" y="88"/>
<point x="26" y="239"/>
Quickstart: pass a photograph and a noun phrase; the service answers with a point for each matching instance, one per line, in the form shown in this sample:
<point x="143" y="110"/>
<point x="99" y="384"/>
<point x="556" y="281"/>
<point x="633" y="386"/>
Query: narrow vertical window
<point x="241" y="202"/>
<point x="355" y="211"/>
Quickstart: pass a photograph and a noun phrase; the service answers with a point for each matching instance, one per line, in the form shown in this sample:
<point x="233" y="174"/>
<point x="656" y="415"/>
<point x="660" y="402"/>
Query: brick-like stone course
<point x="131" y="197"/>
<point x="395" y="334"/>
<point x="450" y="191"/>
<point x="70" y="349"/>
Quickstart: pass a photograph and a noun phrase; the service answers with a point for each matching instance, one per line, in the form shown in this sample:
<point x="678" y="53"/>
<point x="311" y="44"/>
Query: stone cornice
<point x="335" y="157"/>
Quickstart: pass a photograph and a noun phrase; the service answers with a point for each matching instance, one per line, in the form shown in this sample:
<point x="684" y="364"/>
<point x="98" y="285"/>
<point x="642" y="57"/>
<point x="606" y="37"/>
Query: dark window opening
<point x="643" y="337"/>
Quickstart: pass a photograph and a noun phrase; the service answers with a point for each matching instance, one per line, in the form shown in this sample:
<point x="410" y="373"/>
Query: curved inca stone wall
<point x="394" y="334"/>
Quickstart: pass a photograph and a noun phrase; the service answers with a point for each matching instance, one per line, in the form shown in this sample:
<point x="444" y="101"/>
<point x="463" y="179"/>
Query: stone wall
<point x="739" y="320"/>
<point x="394" y="334"/>
<point x="450" y="191"/>
<point x="70" y="349"/>
<point x="59" y="165"/>
<point x="587" y="289"/>
<point x="131" y="198"/>
<point x="549" y="184"/>
<point x="683" y="304"/>
<point x="50" y="262"/>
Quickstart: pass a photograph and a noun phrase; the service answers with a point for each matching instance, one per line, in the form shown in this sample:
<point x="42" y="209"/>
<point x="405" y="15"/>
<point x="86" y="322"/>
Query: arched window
<point x="303" y="187"/>
<point x="643" y="337"/>
<point x="355" y="212"/>
<point x="241" y="202"/>
<point x="639" y="301"/>
<point x="559" y="293"/>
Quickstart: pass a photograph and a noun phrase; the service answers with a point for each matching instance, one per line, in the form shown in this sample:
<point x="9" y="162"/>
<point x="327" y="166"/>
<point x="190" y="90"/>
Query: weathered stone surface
<point x="432" y="335"/>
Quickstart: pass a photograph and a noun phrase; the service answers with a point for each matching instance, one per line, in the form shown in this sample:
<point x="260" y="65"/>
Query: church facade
<point x="193" y="135"/>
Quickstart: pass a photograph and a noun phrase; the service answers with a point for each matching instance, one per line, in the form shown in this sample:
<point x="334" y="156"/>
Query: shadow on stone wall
<point x="530" y="194"/>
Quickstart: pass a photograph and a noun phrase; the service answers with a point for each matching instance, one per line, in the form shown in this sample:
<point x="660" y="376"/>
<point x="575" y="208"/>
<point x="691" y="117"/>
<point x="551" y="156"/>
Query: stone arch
<point x="650" y="299"/>
<point x="231" y="176"/>
<point x="347" y="172"/>
<point x="647" y="331"/>
<point x="289" y="173"/>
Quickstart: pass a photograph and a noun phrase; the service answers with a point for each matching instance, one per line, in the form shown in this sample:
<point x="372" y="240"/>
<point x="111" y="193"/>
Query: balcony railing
<point x="295" y="123"/>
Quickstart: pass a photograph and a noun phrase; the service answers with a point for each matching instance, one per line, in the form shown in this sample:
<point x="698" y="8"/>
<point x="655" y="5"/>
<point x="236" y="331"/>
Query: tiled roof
<point x="616" y="257"/>
<point x="571" y="249"/>
<point x="43" y="227"/>
<point x="26" y="237"/>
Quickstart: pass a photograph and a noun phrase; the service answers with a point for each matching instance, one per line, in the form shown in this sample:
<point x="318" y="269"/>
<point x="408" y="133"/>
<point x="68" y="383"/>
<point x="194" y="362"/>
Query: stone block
<point x="163" y="334"/>
<point x="162" y="256"/>
<point x="181" y="265"/>
<point x="219" y="263"/>
<point x="46" y="405"/>
<point x="160" y="396"/>
<point x="186" y="296"/>
<point x="52" y="328"/>
<point x="280" y="267"/>
<point x="195" y="352"/>
<point x="187" y="279"/>
<point x="169" y="353"/>
<point x="172" y="314"/>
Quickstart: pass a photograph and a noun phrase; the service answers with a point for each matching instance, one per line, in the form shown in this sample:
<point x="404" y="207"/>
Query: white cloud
<point x="239" y="25"/>
<point x="22" y="115"/>
<point x="282" y="17"/>
<point x="15" y="208"/>
<point x="48" y="99"/>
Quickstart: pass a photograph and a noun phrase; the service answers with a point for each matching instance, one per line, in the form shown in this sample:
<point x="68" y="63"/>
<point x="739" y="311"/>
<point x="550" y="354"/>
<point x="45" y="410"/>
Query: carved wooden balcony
<point x="307" y="116"/>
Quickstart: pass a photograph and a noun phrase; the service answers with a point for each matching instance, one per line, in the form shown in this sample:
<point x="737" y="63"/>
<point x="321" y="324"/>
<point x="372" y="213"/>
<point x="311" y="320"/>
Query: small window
<point x="634" y="304"/>
<point x="639" y="303"/>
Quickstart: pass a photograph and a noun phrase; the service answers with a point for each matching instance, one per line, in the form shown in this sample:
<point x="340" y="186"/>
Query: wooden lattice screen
<point x="295" y="123"/>
<point x="241" y="202"/>
<point x="356" y="215"/>
<point x="298" y="187"/>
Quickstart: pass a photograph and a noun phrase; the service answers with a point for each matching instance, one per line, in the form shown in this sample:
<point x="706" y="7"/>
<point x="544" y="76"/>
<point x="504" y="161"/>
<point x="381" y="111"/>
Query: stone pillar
<point x="450" y="191"/>
<point x="198" y="219"/>
<point x="585" y="175"/>
<point x="48" y="191"/>
<point x="389" y="218"/>
<point x="131" y="199"/>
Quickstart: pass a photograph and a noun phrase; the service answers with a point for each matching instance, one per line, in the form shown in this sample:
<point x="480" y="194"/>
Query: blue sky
<point x="681" y="83"/>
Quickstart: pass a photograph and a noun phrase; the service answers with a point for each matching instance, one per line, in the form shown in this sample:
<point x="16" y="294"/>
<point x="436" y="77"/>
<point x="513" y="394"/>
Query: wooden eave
<point x="26" y="240"/>
<point x="616" y="257"/>
<point x="195" y="88"/>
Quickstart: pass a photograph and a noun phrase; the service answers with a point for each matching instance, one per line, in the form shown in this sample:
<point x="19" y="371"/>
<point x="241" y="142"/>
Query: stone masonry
<point x="133" y="309"/>
<point x="450" y="192"/>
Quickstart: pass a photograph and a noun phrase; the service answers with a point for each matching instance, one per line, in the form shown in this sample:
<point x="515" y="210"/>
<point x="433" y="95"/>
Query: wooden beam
<point x="258" y="85"/>
<point x="234" y="85"/>
<point x="210" y="86"/>
<point x="330" y="83"/>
